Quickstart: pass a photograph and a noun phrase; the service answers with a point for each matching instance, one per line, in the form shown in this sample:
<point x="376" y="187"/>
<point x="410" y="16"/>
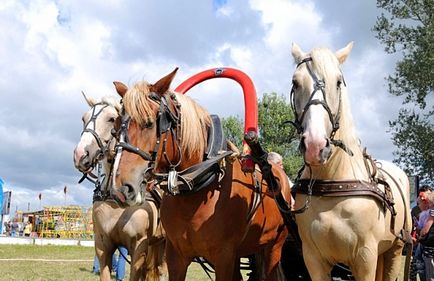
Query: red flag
<point x="40" y="196"/>
<point x="65" y="189"/>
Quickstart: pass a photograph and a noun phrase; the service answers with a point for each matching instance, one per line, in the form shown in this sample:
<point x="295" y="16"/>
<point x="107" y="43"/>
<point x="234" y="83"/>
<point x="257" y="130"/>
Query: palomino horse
<point x="137" y="228"/>
<point x="350" y="209"/>
<point x="210" y="208"/>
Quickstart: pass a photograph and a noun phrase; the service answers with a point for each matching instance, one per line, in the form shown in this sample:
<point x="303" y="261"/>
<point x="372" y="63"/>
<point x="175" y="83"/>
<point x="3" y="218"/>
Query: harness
<point x="176" y="182"/>
<point x="342" y="188"/>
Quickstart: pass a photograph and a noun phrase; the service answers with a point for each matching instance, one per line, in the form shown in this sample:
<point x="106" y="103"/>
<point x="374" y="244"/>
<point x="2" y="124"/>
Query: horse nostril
<point x="326" y="152"/>
<point x="130" y="188"/>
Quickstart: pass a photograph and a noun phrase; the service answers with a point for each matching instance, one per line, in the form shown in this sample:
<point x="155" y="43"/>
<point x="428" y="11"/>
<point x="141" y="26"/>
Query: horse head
<point x="96" y="139"/>
<point x="151" y="138"/>
<point x="316" y="98"/>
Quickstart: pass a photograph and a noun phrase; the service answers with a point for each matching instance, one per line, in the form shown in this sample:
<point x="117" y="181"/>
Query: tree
<point x="274" y="134"/>
<point x="407" y="28"/>
<point x="415" y="138"/>
<point x="233" y="130"/>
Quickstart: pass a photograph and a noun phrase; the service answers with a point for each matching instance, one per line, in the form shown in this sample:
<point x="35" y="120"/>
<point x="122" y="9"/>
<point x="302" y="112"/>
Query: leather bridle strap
<point x="93" y="120"/>
<point x="318" y="85"/>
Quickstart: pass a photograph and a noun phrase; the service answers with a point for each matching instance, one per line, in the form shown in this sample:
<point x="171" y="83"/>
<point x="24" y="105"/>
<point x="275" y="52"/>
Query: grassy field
<point x="62" y="263"/>
<point x="58" y="263"/>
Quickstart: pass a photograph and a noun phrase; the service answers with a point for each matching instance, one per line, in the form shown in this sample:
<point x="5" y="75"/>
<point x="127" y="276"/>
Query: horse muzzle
<point x="315" y="152"/>
<point x="125" y="195"/>
<point x="83" y="162"/>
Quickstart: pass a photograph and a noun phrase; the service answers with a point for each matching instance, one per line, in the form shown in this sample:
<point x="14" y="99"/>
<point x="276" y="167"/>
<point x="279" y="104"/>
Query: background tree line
<point x="406" y="27"/>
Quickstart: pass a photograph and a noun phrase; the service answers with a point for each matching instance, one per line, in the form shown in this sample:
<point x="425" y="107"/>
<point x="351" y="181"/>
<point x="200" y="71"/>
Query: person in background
<point x="423" y="204"/>
<point x="428" y="248"/>
<point x="118" y="263"/>
<point x="14" y="228"/>
<point x="28" y="229"/>
<point x="277" y="159"/>
<point x="7" y="228"/>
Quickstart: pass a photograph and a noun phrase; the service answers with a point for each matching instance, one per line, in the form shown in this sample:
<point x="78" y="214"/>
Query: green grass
<point x="22" y="270"/>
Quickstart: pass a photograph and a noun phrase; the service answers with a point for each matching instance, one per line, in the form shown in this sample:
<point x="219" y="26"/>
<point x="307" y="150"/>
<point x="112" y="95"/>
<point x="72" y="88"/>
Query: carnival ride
<point x="68" y="222"/>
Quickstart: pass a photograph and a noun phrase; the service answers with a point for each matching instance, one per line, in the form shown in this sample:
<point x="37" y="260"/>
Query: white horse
<point x="137" y="228"/>
<point x="344" y="198"/>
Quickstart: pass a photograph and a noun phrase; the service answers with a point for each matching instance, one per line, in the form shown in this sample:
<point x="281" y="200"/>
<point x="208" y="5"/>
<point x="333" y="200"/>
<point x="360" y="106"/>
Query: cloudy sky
<point x="52" y="50"/>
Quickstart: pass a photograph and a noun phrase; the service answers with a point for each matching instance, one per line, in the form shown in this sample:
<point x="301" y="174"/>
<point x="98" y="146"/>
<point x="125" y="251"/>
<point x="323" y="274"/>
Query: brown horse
<point x="138" y="227"/>
<point x="211" y="208"/>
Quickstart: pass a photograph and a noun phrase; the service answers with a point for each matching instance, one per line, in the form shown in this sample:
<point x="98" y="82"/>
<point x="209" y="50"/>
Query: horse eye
<point x="295" y="84"/>
<point x="339" y="83"/>
<point x="111" y="120"/>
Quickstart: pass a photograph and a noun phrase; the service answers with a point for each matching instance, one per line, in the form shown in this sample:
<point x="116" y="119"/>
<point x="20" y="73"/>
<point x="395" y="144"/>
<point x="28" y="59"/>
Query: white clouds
<point x="54" y="49"/>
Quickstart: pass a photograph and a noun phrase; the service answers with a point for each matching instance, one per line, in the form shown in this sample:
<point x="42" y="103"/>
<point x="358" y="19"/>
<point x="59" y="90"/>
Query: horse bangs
<point x="138" y="104"/>
<point x="195" y="121"/>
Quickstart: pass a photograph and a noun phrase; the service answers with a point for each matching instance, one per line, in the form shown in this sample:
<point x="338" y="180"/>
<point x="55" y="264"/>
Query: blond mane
<point x="195" y="119"/>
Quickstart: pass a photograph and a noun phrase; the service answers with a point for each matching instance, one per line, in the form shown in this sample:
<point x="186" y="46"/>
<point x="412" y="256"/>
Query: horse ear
<point x="120" y="88"/>
<point x="90" y="101"/>
<point x="343" y="53"/>
<point x="297" y="53"/>
<point x="162" y="85"/>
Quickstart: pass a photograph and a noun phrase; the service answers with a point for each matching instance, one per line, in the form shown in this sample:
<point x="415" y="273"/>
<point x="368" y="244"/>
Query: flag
<point x="65" y="189"/>
<point x="40" y="196"/>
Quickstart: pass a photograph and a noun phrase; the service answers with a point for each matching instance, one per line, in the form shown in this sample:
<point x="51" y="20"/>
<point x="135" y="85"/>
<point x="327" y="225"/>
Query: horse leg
<point x="392" y="262"/>
<point x="237" y="272"/>
<point x="319" y="270"/>
<point x="225" y="265"/>
<point x="176" y="264"/>
<point x="105" y="264"/>
<point x="137" y="268"/>
<point x="104" y="253"/>
<point x="272" y="267"/>
<point x="364" y="267"/>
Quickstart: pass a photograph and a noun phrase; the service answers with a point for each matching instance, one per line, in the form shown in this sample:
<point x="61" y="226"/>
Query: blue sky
<point x="52" y="50"/>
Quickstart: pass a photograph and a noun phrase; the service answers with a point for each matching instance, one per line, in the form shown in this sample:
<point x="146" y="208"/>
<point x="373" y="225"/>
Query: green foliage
<point x="406" y="27"/>
<point x="414" y="136"/>
<point x="277" y="136"/>
<point x="274" y="134"/>
<point x="233" y="130"/>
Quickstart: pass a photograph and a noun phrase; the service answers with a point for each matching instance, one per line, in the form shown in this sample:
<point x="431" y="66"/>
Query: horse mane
<point x="111" y="101"/>
<point x="195" y="120"/>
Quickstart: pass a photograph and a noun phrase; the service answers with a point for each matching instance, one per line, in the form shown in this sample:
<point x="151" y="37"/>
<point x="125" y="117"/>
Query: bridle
<point x="318" y="85"/>
<point x="103" y="147"/>
<point x="168" y="121"/>
<point x="102" y="144"/>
